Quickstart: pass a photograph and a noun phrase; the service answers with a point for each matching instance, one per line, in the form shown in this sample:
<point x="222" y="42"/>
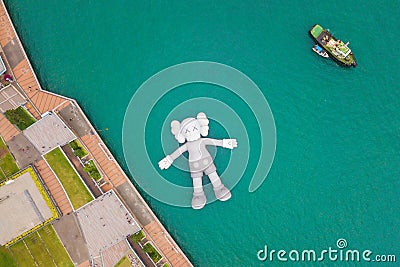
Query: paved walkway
<point x="159" y="236"/>
<point x="74" y="119"/>
<point x="10" y="98"/>
<point x="44" y="101"/>
<point x="14" y="55"/>
<point x="112" y="255"/>
<point x="108" y="166"/>
<point x="7" y="32"/>
<point x="29" y="106"/>
<point x="85" y="264"/>
<point x="72" y="238"/>
<point x="23" y="72"/>
<point x="23" y="151"/>
<point x="7" y="130"/>
<point x="54" y="186"/>
<point x="135" y="203"/>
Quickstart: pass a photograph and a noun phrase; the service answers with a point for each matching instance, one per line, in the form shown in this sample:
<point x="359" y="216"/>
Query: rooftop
<point x="10" y="98"/>
<point x="48" y="133"/>
<point x="22" y="207"/>
<point x="105" y="222"/>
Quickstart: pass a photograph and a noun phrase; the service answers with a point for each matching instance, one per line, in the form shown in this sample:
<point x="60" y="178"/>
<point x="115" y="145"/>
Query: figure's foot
<point x="222" y="193"/>
<point x="199" y="200"/>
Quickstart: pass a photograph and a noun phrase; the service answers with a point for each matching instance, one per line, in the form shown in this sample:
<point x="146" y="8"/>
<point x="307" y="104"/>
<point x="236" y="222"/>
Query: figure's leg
<point x="220" y="191"/>
<point x="199" y="198"/>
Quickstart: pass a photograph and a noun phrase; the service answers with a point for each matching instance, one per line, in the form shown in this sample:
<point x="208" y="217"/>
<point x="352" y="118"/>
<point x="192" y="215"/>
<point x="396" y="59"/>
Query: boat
<point x="320" y="51"/>
<point x="336" y="49"/>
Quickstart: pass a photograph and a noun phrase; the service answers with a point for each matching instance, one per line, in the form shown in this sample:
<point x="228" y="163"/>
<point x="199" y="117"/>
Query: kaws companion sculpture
<point x="200" y="160"/>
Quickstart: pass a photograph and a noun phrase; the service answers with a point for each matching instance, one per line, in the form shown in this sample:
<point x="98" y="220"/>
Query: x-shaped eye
<point x="187" y="131"/>
<point x="194" y="128"/>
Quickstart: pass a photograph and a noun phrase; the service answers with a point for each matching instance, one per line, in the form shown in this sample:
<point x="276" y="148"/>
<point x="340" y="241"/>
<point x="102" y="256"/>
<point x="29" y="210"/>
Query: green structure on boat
<point x="337" y="49"/>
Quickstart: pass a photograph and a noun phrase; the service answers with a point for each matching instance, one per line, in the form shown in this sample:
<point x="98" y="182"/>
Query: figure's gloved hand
<point x="165" y="163"/>
<point x="229" y="143"/>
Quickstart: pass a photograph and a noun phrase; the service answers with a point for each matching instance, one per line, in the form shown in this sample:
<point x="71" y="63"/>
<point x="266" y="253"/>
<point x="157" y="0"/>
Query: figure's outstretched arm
<point x="166" y="162"/>
<point x="226" y="143"/>
<point x="178" y="152"/>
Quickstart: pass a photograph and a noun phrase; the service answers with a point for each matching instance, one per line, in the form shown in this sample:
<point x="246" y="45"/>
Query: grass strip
<point x="6" y="257"/>
<point x="38" y="250"/>
<point x="55" y="247"/>
<point x="20" y="117"/>
<point x="7" y="162"/>
<point x="73" y="185"/>
<point x="22" y="255"/>
<point x="124" y="262"/>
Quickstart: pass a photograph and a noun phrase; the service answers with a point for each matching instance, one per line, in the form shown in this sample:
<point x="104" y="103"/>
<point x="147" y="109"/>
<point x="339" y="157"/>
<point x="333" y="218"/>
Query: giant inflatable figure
<point x="191" y="130"/>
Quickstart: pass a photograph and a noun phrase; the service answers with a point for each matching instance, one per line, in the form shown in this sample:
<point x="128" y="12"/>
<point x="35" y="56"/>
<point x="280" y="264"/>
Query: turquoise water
<point x="336" y="170"/>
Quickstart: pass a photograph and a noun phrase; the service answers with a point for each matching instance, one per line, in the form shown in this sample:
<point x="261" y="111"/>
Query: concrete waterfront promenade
<point x="40" y="102"/>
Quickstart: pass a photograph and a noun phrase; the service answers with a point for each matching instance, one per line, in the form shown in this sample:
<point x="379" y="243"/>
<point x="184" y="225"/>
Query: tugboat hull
<point x="335" y="48"/>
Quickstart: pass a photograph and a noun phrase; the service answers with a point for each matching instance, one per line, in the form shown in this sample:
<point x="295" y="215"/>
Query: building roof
<point x="105" y="222"/>
<point x="10" y="98"/>
<point x="22" y="207"/>
<point x="48" y="133"/>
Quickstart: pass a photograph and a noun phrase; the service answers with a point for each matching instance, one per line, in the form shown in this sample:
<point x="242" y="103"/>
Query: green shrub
<point x="137" y="237"/>
<point x="153" y="253"/>
<point x="20" y="117"/>
<point x="79" y="151"/>
<point x="92" y="170"/>
<point x="74" y="145"/>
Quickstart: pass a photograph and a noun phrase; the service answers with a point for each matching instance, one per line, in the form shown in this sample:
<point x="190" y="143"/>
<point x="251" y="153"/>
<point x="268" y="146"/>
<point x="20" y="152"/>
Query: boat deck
<point x="327" y="41"/>
<point x="323" y="38"/>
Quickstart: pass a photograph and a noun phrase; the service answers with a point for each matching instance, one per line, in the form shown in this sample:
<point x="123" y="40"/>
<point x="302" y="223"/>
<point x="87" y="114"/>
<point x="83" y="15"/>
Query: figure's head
<point x="190" y="129"/>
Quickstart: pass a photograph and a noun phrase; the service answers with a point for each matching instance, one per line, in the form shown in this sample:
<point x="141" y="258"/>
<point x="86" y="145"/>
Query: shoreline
<point x="41" y="102"/>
